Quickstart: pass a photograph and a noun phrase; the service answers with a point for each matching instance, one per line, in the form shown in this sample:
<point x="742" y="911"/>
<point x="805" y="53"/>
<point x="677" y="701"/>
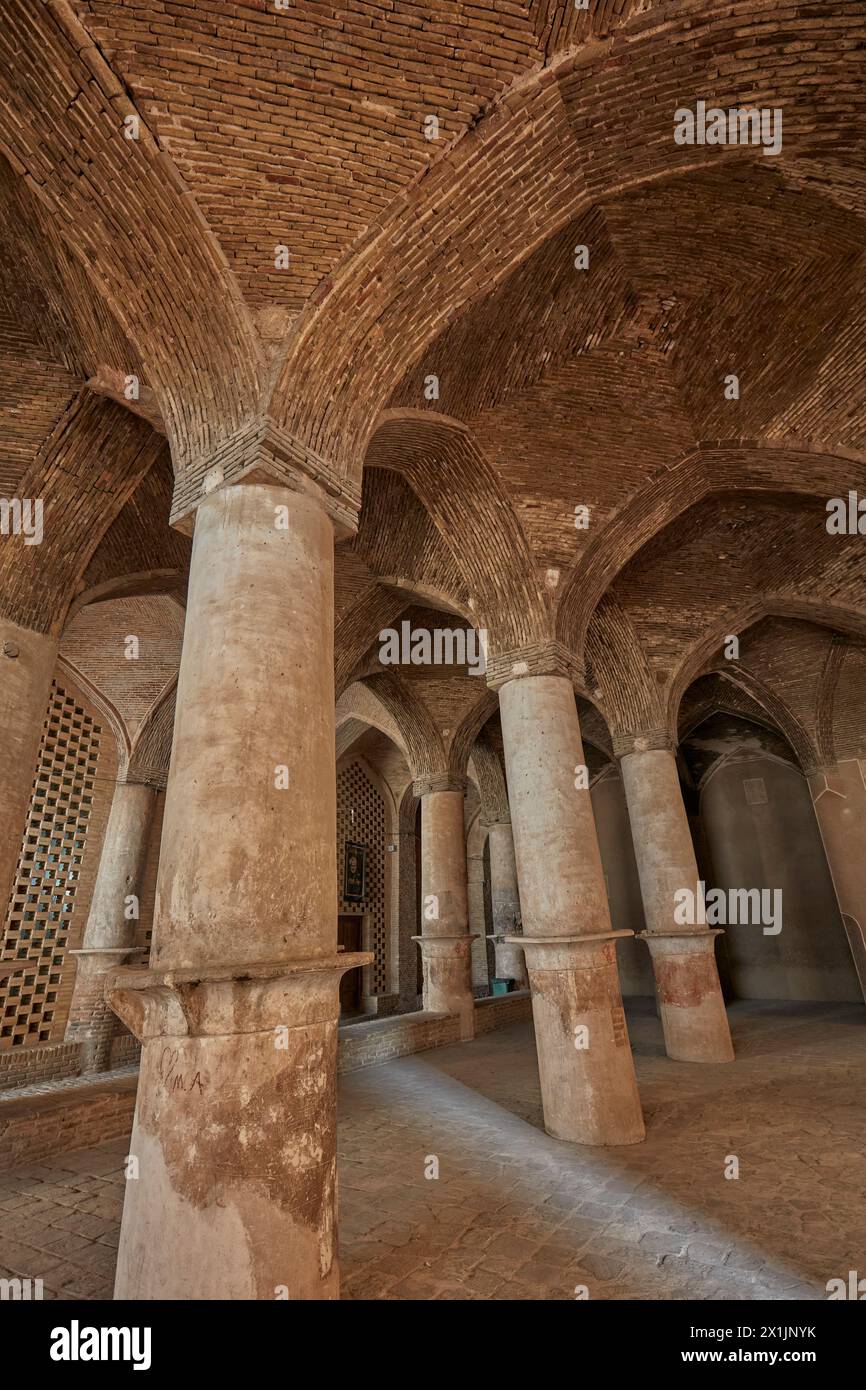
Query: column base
<point x="446" y="963"/>
<point x="588" y="1086"/>
<point x="693" y="1013"/>
<point x="232" y="1168"/>
<point x="509" y="958"/>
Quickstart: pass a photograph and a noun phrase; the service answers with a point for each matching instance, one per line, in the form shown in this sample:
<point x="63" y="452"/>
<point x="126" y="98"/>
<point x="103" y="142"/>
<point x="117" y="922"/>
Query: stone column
<point x="839" y="798"/>
<point x="505" y="905"/>
<point x="445" y="941"/>
<point x="407" y="920"/>
<point x="477" y="920"/>
<point x="690" y="997"/>
<point x="588" y="1085"/>
<point x="27" y="661"/>
<point x="109" y="937"/>
<point x="234" y="1131"/>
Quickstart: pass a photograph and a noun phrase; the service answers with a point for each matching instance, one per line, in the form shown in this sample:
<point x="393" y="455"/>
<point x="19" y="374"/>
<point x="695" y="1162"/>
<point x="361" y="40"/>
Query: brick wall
<point x="381" y="1040"/>
<point x="27" y="1065"/>
<point x="501" y="1010"/>
<point x="36" y="1127"/>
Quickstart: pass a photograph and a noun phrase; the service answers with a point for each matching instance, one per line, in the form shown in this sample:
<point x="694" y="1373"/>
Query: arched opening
<point x="760" y="856"/>
<point x="376" y="874"/>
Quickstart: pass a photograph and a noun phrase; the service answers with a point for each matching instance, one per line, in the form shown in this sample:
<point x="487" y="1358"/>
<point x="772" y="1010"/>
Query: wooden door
<point x="349" y="938"/>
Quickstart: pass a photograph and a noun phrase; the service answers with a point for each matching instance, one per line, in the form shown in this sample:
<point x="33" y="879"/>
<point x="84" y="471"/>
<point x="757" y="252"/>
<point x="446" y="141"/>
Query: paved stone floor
<point x="514" y="1214"/>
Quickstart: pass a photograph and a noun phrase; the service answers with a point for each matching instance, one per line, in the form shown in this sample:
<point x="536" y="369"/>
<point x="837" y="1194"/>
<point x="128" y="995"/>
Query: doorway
<point x="349" y="939"/>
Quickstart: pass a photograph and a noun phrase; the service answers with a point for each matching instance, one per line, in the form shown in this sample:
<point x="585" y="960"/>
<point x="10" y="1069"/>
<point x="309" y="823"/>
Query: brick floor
<point x="515" y="1214"/>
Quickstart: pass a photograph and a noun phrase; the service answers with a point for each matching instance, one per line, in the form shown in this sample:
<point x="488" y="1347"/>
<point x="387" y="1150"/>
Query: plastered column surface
<point x="839" y="797"/>
<point x="109" y="937"/>
<point x="588" y="1085"/>
<point x="234" y="1133"/>
<point x="690" y="997"/>
<point x="505" y="904"/>
<point x="445" y="941"/>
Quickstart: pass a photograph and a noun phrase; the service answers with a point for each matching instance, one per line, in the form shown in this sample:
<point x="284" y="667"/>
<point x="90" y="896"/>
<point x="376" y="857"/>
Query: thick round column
<point x="505" y="904"/>
<point x="27" y="661"/>
<point x="690" y="997"/>
<point x="109" y="936"/>
<point x="588" y="1085"/>
<point x="839" y="798"/>
<point x="445" y="942"/>
<point x="477" y="920"/>
<point x="248" y="857"/>
<point x="234" y="1128"/>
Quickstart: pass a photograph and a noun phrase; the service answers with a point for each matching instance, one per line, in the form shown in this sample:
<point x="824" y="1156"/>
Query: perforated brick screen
<point x="39" y="917"/>
<point x="361" y="820"/>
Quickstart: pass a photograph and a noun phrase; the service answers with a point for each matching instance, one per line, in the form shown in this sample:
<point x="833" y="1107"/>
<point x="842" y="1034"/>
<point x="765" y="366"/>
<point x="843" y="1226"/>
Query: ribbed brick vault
<point x="453" y="258"/>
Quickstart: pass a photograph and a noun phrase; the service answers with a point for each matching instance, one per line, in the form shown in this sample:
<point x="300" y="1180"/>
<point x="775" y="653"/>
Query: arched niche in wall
<point x="758" y="831"/>
<point x="374" y="799"/>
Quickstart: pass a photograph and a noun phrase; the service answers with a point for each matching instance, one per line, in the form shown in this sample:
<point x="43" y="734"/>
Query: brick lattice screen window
<point x="361" y="820"/>
<point x="40" y="909"/>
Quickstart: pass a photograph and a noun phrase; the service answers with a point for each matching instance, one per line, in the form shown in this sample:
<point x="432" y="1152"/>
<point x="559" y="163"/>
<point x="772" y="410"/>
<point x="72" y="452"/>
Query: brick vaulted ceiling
<point x="409" y="257"/>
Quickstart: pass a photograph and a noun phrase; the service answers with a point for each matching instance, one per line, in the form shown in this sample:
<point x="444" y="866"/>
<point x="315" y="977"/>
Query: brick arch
<point x="826" y="702"/>
<point x="793" y="466"/>
<point x="129" y="218"/>
<point x="734" y="754"/>
<point x="738" y="621"/>
<point x="84" y="472"/>
<point x="490" y="780"/>
<point x="594" y="122"/>
<point x="386" y="702"/>
<point x="616" y="661"/>
<point x="143" y="583"/>
<point x="426" y="597"/>
<point x="377" y="608"/>
<point x="106" y="707"/>
<point x="413" y="554"/>
<point x="726" y="697"/>
<point x="780" y="715"/>
<point x="151" y="748"/>
<point x="446" y="469"/>
<point x="358" y="709"/>
<point x="468" y="731"/>
<point x="381" y="606"/>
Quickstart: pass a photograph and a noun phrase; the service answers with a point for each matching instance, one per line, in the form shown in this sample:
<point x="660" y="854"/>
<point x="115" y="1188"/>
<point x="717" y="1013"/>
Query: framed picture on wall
<point x="354" y="873"/>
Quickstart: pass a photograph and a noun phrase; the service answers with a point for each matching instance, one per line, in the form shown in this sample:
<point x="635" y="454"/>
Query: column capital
<point x="825" y="769"/>
<point x="642" y="741"/>
<point x="539" y="659"/>
<point x="496" y="820"/>
<point x="438" y="782"/>
<point x="262" y="452"/>
<point x="236" y="998"/>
